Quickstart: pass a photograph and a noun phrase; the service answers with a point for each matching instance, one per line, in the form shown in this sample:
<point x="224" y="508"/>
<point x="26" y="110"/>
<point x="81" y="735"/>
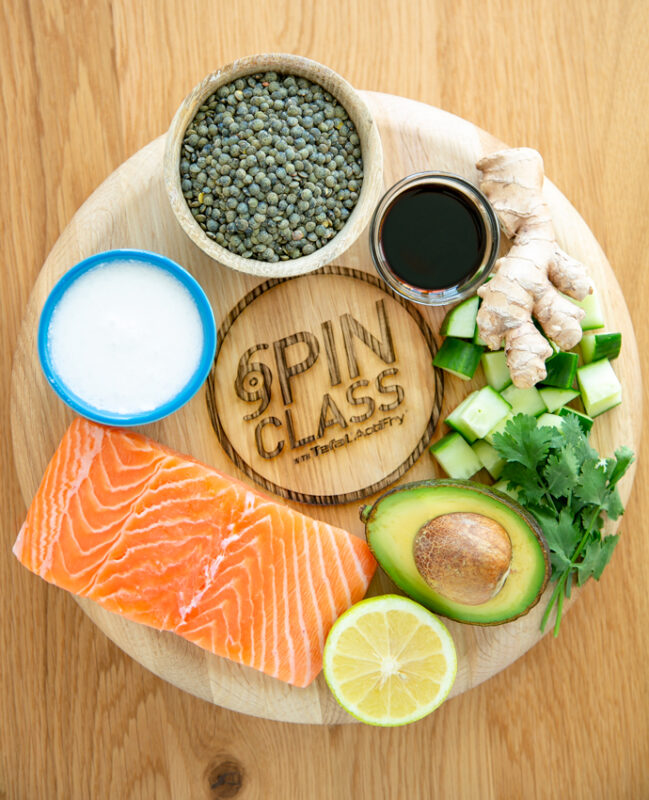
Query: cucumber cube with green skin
<point x="477" y="339"/>
<point x="489" y="458"/>
<point x="555" y="399"/>
<point x="561" y="370"/>
<point x="456" y="457"/>
<point x="454" y="419"/>
<point x="524" y="401"/>
<point x="459" y="357"/>
<point x="601" y="345"/>
<point x="460" y="321"/>
<point x="498" y="428"/>
<point x="594" y="317"/>
<point x="496" y="371"/>
<point x="599" y="385"/>
<point x="486" y="409"/>
<point x="503" y="486"/>
<point x="585" y="421"/>
<point x="549" y="421"/>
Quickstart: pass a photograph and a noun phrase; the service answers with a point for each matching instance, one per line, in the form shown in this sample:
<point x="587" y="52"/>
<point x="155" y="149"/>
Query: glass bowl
<point x="470" y="195"/>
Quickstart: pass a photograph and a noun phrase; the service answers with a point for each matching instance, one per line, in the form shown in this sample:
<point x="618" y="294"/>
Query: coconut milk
<point x="125" y="337"/>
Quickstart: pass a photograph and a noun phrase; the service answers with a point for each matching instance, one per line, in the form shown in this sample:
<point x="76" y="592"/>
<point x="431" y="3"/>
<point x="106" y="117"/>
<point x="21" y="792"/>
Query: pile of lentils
<point x="271" y="166"/>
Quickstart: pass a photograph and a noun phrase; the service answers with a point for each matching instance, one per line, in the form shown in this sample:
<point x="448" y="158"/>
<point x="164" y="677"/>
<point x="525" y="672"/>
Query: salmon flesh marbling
<point x="172" y="543"/>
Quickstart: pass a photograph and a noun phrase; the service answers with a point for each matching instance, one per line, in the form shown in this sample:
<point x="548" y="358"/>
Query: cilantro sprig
<point x="569" y="489"/>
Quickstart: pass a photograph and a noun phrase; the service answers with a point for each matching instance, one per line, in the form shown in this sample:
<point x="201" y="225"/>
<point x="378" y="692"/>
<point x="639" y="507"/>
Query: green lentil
<point x="271" y="166"/>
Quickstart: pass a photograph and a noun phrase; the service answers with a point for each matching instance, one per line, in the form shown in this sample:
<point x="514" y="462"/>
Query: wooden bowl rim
<point x="371" y="150"/>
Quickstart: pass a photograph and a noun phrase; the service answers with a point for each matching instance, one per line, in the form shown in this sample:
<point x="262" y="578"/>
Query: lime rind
<point x="382" y="604"/>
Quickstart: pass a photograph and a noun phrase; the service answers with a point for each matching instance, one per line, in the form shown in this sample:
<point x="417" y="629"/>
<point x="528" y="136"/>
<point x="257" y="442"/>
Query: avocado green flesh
<point x="397" y="517"/>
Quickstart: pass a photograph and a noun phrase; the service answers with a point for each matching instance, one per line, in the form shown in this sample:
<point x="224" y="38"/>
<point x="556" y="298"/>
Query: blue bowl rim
<point x="192" y="386"/>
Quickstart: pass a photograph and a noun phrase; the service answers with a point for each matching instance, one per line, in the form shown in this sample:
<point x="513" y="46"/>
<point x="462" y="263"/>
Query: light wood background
<point x="83" y="86"/>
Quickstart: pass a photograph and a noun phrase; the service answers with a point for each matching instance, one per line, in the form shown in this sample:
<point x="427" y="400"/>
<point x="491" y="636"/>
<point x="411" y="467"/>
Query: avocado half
<point x="395" y="519"/>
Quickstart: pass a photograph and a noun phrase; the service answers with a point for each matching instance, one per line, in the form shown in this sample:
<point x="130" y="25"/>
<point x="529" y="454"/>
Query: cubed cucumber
<point x="601" y="345"/>
<point x="549" y="421"/>
<point x="498" y="428"/>
<point x="585" y="421"/>
<point x="456" y="457"/>
<point x="600" y="387"/>
<point x="561" y="369"/>
<point x="524" y="401"/>
<point x="486" y="409"/>
<point x="555" y="399"/>
<point x="503" y="486"/>
<point x="495" y="368"/>
<point x="454" y="419"/>
<point x="489" y="458"/>
<point x="460" y="320"/>
<point x="459" y="357"/>
<point x="593" y="318"/>
<point x="477" y="339"/>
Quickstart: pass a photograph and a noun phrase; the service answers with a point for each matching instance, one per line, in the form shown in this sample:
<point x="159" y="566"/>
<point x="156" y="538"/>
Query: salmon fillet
<point x="169" y="542"/>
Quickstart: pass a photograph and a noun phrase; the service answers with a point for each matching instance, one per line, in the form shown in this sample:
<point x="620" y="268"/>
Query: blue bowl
<point x="189" y="389"/>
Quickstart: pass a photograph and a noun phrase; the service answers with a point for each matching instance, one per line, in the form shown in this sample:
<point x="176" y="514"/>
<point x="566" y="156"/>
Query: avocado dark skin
<point x="445" y="544"/>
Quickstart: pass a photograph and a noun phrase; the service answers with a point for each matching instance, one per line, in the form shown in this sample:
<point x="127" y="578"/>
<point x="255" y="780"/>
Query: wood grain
<point x="338" y="437"/>
<point x="84" y="86"/>
<point x="131" y="209"/>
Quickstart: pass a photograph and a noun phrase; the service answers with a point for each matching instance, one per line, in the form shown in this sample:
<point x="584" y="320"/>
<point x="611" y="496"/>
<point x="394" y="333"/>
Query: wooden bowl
<point x="371" y="151"/>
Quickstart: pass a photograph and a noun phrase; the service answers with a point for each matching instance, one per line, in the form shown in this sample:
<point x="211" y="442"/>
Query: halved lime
<point x="389" y="661"/>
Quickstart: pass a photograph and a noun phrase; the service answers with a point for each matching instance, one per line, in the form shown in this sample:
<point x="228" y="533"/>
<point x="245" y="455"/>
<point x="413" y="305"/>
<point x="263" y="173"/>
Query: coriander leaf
<point x="612" y="504"/>
<point x="565" y="484"/>
<point x="608" y="465"/>
<point x="559" y="564"/>
<point x="540" y="509"/>
<point x="576" y="439"/>
<point x="561" y="472"/>
<point x="526" y="482"/>
<point x="597" y="554"/>
<point x="624" y="457"/>
<point x="560" y="532"/>
<point x="591" y="518"/>
<point x="523" y="442"/>
<point x="592" y="481"/>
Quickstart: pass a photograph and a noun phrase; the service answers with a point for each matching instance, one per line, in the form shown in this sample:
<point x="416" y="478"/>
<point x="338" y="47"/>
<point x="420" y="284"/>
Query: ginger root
<point x="527" y="281"/>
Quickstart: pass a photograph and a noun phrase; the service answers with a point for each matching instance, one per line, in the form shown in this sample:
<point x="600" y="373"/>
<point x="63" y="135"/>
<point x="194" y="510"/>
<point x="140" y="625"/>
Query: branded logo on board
<point x="322" y="388"/>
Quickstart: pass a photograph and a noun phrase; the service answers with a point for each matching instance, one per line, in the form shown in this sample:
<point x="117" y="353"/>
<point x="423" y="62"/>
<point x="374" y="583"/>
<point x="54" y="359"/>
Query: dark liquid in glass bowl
<point x="432" y="237"/>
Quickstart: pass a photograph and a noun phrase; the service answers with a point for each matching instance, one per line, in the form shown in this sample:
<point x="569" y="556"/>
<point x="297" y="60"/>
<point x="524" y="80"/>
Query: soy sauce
<point x="432" y="237"/>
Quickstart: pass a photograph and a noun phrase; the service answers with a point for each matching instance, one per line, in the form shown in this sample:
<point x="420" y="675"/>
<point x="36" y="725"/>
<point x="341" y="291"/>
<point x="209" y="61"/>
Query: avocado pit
<point x="463" y="556"/>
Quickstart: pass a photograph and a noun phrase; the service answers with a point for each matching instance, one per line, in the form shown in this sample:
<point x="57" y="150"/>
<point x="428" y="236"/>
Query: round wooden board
<point x="130" y="209"/>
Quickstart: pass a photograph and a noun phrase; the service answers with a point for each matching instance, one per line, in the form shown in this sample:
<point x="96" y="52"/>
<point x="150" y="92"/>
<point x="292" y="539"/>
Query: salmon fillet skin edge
<point x="171" y="543"/>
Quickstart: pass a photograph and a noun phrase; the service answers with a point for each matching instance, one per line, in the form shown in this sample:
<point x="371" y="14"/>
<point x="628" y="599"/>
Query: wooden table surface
<point x="86" y="84"/>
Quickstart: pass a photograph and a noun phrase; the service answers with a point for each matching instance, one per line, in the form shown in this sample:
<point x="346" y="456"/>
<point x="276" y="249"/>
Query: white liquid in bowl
<point x="125" y="337"/>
